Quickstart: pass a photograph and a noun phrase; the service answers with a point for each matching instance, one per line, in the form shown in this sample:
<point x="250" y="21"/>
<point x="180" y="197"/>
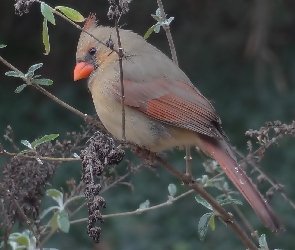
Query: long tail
<point x="220" y="151"/>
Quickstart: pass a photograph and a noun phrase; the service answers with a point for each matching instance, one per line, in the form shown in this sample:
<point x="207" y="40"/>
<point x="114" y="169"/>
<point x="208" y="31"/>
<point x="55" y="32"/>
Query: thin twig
<point x="168" y="33"/>
<point x="4" y="152"/>
<point x="48" y="236"/>
<point x="140" y="211"/>
<point x="102" y="191"/>
<point x="166" y="27"/>
<point x="256" y="168"/>
<point x="246" y="222"/>
<point x="121" y="55"/>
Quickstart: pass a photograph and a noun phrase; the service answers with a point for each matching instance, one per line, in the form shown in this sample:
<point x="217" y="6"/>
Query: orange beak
<point x="82" y="70"/>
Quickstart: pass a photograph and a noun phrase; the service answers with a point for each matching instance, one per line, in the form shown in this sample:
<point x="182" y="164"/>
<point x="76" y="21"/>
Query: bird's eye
<point x="92" y="51"/>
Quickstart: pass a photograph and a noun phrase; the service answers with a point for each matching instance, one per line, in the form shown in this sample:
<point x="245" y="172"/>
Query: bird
<point x="163" y="109"/>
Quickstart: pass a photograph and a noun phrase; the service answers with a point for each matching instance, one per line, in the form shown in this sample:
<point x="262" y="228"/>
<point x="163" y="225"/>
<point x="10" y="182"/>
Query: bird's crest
<point x="90" y="22"/>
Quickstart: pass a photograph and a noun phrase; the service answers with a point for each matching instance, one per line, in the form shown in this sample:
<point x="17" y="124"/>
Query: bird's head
<point x="92" y="54"/>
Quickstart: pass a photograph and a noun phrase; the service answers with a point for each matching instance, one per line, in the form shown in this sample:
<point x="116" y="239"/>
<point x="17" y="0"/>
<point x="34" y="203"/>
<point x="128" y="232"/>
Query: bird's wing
<point x="175" y="103"/>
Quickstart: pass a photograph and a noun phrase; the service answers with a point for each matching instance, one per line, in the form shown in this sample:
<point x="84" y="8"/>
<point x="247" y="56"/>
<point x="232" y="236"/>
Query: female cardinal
<point x="163" y="109"/>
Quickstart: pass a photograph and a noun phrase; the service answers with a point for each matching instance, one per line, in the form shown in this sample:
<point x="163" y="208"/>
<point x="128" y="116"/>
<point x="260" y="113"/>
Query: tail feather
<point x="220" y="151"/>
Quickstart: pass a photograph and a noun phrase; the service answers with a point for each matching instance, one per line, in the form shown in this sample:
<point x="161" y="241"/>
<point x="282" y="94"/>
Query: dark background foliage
<point x="240" y="54"/>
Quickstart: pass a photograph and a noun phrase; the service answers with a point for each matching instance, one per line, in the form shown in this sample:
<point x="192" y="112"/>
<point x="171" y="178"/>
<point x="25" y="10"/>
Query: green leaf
<point x="54" y="222"/>
<point x="14" y="74"/>
<point x="46" y="11"/>
<point x="262" y="242"/>
<point x="212" y="222"/>
<point x="2" y="46"/>
<point x="71" y="13"/>
<point x="22" y="240"/>
<point x="20" y="88"/>
<point x="230" y="201"/>
<point x="43" y="139"/>
<point x="57" y="196"/>
<point x="144" y="205"/>
<point x="45" y="37"/>
<point x="43" y="81"/>
<point x="172" y="189"/>
<point x="26" y="143"/>
<point x="149" y="32"/>
<point x="33" y="68"/>
<point x="203" y="225"/>
<point x="63" y="221"/>
<point x="203" y="202"/>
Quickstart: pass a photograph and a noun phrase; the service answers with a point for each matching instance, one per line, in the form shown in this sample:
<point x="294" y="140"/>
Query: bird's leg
<point x="188" y="158"/>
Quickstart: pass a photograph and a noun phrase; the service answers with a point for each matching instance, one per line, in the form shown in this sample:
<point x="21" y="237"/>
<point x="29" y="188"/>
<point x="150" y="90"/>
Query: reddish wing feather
<point x="174" y="103"/>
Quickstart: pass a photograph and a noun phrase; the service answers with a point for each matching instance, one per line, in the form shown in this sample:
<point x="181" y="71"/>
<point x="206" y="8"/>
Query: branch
<point x="53" y="97"/>
<point x="190" y="182"/>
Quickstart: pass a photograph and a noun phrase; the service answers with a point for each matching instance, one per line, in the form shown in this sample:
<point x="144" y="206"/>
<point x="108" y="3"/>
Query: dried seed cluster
<point x="23" y="182"/>
<point x="100" y="152"/>
<point x="118" y="8"/>
<point x="22" y="6"/>
<point x="269" y="134"/>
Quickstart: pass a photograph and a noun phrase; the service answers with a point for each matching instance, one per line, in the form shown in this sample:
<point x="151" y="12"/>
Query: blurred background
<point x="240" y="55"/>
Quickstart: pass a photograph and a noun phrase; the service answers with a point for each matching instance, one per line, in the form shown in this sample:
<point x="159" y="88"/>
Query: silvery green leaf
<point x="158" y="12"/>
<point x="43" y="81"/>
<point x="157" y="28"/>
<point x="26" y="143"/>
<point x="63" y="221"/>
<point x="144" y="205"/>
<point x="203" y="225"/>
<point x="33" y="68"/>
<point x="14" y="74"/>
<point x="75" y="155"/>
<point x="169" y="20"/>
<point x="57" y="196"/>
<point x="203" y="202"/>
<point x="172" y="189"/>
<point x="229" y="201"/>
<point x="20" y="88"/>
<point x="262" y="242"/>
<point x="46" y="11"/>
